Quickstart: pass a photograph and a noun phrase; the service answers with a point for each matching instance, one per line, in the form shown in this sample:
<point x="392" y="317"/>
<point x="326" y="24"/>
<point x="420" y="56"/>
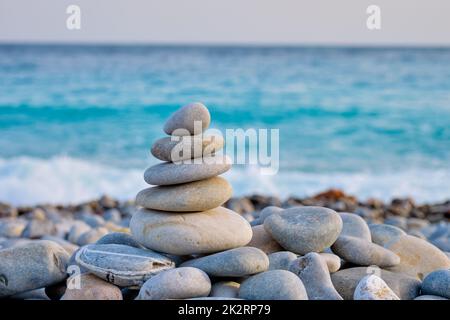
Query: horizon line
<point x="228" y="44"/>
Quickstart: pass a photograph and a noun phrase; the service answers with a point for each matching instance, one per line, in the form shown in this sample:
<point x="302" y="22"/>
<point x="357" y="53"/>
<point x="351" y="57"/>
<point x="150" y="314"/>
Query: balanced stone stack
<point x="182" y="214"/>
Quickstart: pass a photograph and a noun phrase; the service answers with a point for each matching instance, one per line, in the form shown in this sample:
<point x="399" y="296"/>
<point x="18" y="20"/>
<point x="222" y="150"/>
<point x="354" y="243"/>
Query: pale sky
<point x="403" y="22"/>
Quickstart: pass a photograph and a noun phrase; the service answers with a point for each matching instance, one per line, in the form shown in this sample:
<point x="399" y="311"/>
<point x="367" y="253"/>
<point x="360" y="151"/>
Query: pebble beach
<point x="187" y="237"/>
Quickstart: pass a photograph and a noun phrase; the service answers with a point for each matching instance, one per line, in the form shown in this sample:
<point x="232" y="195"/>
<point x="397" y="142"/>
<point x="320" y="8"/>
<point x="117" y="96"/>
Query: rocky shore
<point x="185" y="238"/>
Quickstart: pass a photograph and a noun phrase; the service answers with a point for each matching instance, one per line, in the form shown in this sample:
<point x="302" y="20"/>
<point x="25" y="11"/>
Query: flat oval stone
<point x="383" y="233"/>
<point x="31" y="266"/>
<point x="281" y="260"/>
<point x="177" y="148"/>
<point x="304" y="229"/>
<point x="236" y="262"/>
<point x="179" y="283"/>
<point x="89" y="287"/>
<point x="313" y="271"/>
<point x="261" y="239"/>
<point x="372" y="287"/>
<point x="186" y="118"/>
<point x="346" y="280"/>
<point x="273" y="285"/>
<point x="364" y="253"/>
<point x="417" y="257"/>
<point x="437" y="283"/>
<point x="169" y="173"/>
<point x="187" y="197"/>
<point x="209" y="231"/>
<point x="355" y="226"/>
<point x="122" y="265"/>
<point x="225" y="289"/>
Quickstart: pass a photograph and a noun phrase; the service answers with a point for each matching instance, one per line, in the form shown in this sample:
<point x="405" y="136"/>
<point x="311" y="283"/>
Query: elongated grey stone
<point x="236" y="262"/>
<point x="168" y="173"/>
<point x="186" y="197"/>
<point x="313" y="271"/>
<point x="364" y="253"/>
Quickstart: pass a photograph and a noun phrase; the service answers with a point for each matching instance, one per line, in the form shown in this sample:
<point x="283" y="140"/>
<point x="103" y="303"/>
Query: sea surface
<point x="78" y="121"/>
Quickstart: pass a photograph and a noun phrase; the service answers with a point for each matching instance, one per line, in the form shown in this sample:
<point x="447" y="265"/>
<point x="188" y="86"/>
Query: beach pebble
<point x="273" y="285"/>
<point x="430" y="297"/>
<point x="346" y="280"/>
<point x="333" y="261"/>
<point x="209" y="231"/>
<point x="168" y="173"/>
<point x="187" y="197"/>
<point x="383" y="233"/>
<point x="396" y="221"/>
<point x="177" y="148"/>
<point x="313" y="271"/>
<point x="354" y="226"/>
<point x="93" y="220"/>
<point x="437" y="283"/>
<point x="89" y="287"/>
<point x="68" y="246"/>
<point x="281" y="260"/>
<point x="268" y="211"/>
<point x="225" y="289"/>
<point x="7" y="211"/>
<point x="372" y="287"/>
<point x="31" y="266"/>
<point x="12" y="228"/>
<point x="78" y="228"/>
<point x="417" y="257"/>
<point x="179" y="283"/>
<point x="91" y="236"/>
<point x="236" y="262"/>
<point x="364" y="253"/>
<point x="415" y="223"/>
<point x="122" y="265"/>
<point x="186" y="118"/>
<point x="261" y="239"/>
<point x="304" y="229"/>
<point x="119" y="238"/>
<point x="112" y="215"/>
<point x="38" y="228"/>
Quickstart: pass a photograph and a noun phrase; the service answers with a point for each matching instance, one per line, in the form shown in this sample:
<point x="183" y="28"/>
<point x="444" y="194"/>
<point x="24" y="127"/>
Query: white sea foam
<point x="26" y="181"/>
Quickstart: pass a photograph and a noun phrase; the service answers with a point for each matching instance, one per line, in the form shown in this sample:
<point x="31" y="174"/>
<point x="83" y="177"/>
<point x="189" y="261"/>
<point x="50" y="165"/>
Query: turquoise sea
<point x="78" y="121"/>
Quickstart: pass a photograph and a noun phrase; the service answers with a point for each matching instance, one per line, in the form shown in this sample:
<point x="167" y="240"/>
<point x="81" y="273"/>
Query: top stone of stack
<point x="183" y="122"/>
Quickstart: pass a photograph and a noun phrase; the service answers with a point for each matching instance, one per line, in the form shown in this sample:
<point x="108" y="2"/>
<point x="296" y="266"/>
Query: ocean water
<point x="78" y="121"/>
